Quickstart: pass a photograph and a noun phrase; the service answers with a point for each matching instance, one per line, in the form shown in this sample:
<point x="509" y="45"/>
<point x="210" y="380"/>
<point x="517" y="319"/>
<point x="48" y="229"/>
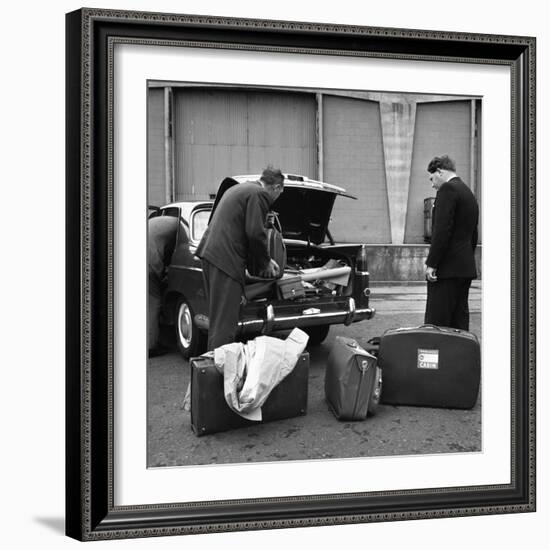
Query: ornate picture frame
<point x="91" y="511"/>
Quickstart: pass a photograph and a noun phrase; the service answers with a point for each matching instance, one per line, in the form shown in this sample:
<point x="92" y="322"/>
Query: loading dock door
<point x="230" y="132"/>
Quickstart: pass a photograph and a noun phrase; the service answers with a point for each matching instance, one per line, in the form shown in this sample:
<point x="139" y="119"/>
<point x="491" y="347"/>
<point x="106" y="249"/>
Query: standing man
<point x="236" y="231"/>
<point x="161" y="241"/>
<point x="450" y="266"/>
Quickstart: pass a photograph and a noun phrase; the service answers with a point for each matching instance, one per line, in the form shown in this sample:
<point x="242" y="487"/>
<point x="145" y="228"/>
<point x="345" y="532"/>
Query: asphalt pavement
<point x="317" y="435"/>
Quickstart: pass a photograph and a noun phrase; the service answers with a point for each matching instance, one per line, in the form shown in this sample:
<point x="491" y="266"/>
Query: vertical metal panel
<point x="211" y="137"/>
<point x="156" y="175"/>
<point x="441" y="128"/>
<point x="224" y="132"/>
<point x="354" y="158"/>
<point x="282" y="132"/>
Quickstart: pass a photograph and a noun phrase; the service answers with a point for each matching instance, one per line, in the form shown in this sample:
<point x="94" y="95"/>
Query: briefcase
<point x="430" y="366"/>
<point x="290" y="288"/>
<point x="353" y="380"/>
<point x="210" y="412"/>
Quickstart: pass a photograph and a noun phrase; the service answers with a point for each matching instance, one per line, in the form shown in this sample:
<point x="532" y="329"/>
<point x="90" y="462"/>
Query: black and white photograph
<point x="300" y="273"/>
<point x="263" y="232"/>
<point x="314" y="273"/>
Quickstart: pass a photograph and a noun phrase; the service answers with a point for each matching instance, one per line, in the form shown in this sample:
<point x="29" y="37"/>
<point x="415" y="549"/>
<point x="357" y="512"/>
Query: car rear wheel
<point x="189" y="338"/>
<point x="317" y="334"/>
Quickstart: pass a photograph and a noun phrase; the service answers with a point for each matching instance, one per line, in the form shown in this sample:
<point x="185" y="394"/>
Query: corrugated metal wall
<point x="219" y="132"/>
<point x="441" y="128"/>
<point x="227" y="132"/>
<point x="354" y="159"/>
<point x="155" y="147"/>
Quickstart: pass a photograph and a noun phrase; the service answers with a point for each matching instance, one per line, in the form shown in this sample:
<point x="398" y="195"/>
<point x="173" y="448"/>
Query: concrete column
<point x="398" y="120"/>
<point x="320" y="138"/>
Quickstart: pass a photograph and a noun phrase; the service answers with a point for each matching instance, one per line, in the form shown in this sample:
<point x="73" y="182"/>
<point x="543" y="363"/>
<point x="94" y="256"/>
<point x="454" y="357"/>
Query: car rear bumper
<point x="272" y="318"/>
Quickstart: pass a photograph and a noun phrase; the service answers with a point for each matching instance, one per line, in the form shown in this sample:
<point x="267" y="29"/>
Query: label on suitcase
<point x="430" y="366"/>
<point x="210" y="412"/>
<point x="353" y="381"/>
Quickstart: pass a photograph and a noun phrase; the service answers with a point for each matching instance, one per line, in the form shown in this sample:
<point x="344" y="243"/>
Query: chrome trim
<point x="269" y="319"/>
<point x="351" y="312"/>
<point x="273" y="322"/>
<point x="186" y="268"/>
<point x="366" y="273"/>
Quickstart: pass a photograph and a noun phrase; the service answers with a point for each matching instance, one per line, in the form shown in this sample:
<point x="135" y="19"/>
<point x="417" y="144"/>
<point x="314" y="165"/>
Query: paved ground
<point x="318" y="435"/>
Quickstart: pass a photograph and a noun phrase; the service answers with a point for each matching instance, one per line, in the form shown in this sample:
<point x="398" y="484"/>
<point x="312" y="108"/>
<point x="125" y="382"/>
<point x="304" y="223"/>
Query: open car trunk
<point x="311" y="273"/>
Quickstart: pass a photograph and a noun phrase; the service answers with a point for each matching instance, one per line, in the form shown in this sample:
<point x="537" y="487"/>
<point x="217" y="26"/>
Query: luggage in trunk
<point x="430" y="366"/>
<point x="210" y="413"/>
<point x="276" y="247"/>
<point x="353" y="381"/>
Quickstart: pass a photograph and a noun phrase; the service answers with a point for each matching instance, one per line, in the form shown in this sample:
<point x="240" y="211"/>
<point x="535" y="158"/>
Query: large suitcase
<point x="353" y="380"/>
<point x="430" y="366"/>
<point x="210" y="412"/>
<point x="276" y="247"/>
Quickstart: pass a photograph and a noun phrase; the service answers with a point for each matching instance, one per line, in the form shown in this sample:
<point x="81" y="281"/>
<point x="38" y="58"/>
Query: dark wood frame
<point x="90" y="511"/>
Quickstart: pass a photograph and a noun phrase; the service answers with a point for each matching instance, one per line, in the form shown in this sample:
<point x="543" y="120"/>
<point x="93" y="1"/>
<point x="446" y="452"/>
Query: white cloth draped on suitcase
<point x="252" y="370"/>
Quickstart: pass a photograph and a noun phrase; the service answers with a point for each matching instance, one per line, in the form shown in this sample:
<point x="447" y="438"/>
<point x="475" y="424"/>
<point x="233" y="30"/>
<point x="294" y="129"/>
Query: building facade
<point x="376" y="145"/>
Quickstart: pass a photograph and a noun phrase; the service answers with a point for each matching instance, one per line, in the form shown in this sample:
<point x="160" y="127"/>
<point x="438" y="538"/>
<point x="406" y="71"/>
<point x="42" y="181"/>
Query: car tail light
<point x="361" y="263"/>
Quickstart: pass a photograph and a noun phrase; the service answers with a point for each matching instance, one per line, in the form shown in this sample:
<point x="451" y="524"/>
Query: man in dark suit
<point x="235" y="233"/>
<point x="450" y="266"/>
<point x="161" y="242"/>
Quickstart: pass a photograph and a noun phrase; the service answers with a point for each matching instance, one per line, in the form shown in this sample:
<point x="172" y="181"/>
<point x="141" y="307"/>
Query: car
<point x="304" y="210"/>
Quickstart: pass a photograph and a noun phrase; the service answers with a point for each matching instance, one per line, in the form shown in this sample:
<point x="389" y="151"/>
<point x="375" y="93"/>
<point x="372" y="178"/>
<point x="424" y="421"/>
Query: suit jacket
<point x="237" y="230"/>
<point x="454" y="231"/>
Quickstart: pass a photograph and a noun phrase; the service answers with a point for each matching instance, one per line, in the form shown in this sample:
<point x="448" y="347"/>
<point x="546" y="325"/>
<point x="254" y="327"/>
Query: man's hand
<point x="271" y="271"/>
<point x="430" y="274"/>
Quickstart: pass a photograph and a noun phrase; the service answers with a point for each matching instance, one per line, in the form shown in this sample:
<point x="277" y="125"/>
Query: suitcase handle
<point x="440" y="329"/>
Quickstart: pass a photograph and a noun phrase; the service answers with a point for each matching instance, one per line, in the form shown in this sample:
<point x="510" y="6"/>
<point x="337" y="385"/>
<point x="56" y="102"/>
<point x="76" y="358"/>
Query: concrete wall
<point x="402" y="263"/>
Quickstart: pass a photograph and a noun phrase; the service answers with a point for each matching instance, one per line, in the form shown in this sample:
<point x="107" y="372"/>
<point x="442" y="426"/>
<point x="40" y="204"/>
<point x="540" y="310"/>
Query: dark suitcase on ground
<point x="430" y="366"/>
<point x="210" y="413"/>
<point x="353" y="381"/>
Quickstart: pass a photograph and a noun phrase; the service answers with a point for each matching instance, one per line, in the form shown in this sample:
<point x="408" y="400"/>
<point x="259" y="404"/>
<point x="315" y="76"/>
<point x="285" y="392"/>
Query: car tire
<point x="317" y="334"/>
<point x="189" y="338"/>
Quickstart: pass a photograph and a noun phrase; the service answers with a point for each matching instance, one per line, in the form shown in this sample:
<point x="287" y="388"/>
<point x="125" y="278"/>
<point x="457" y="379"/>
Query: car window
<point x="172" y="211"/>
<point x="199" y="222"/>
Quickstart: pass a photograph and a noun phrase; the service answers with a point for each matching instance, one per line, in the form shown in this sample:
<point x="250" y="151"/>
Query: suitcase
<point x="210" y="413"/>
<point x="290" y="288"/>
<point x="353" y="380"/>
<point x="276" y="247"/>
<point x="430" y="366"/>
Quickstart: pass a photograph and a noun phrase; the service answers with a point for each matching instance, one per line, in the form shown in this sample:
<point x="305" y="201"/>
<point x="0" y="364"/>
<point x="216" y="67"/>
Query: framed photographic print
<point x="166" y="114"/>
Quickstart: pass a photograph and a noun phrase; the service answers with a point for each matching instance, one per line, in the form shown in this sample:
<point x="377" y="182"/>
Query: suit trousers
<point x="447" y="303"/>
<point x="153" y="311"/>
<point x="224" y="301"/>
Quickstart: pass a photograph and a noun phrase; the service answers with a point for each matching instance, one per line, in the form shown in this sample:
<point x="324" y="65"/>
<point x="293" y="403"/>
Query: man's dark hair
<point x="272" y="176"/>
<point x="443" y="162"/>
